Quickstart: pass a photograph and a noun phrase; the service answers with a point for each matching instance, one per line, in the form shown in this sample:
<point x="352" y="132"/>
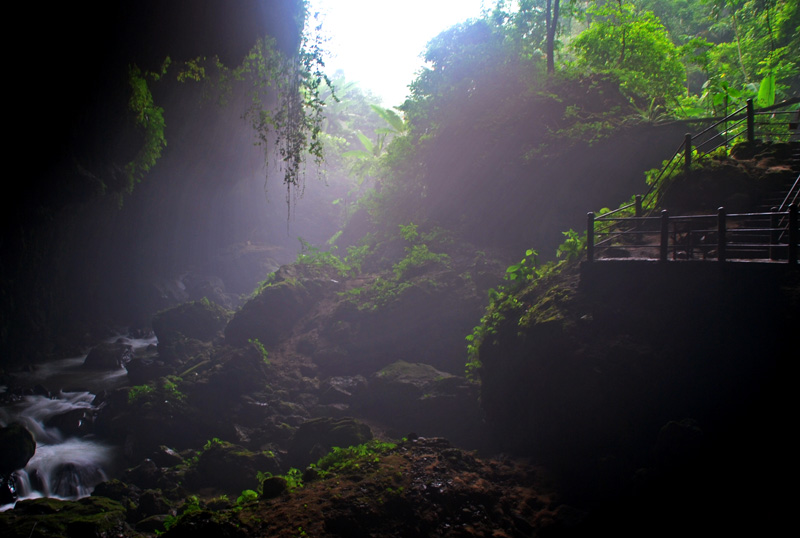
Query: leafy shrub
<point x="261" y="349"/>
<point x="139" y="391"/>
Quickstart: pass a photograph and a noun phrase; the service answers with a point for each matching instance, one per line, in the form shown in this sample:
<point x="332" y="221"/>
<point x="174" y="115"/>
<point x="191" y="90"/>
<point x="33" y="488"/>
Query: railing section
<point x="725" y="236"/>
<point x="776" y="123"/>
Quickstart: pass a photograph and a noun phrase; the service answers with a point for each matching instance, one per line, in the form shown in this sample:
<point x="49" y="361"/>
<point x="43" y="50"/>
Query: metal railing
<point x="723" y="237"/>
<point x="774" y="123"/>
<point x="631" y="229"/>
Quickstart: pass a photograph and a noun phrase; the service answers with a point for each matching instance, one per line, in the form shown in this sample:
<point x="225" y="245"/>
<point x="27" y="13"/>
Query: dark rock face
<point x="357" y="341"/>
<point x="270" y="316"/>
<point x="17" y="447"/>
<point x="314" y="438"/>
<point x="108" y="356"/>
<point x="201" y="320"/>
<point x="90" y="516"/>
<point x="417" y="397"/>
<point x="231" y="468"/>
<point x="587" y="379"/>
<point x="77" y="422"/>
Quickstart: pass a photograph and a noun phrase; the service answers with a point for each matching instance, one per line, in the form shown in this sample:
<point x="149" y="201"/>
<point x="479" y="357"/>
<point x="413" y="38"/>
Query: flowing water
<point x="67" y="464"/>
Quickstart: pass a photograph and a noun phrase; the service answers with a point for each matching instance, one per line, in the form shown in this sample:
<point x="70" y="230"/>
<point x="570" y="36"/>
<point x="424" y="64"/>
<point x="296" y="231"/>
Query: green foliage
<point x="633" y="45"/>
<point x="573" y="246"/>
<point x="505" y="302"/>
<point x="149" y="119"/>
<point x="261" y="349"/>
<point x="343" y="459"/>
<point x="170" y="387"/>
<point x="296" y="122"/>
<point x="214" y="441"/>
<point x="166" y="388"/>
<point x="293" y="478"/>
<point x="350" y="265"/>
<point x="139" y="391"/>
<point x="524" y="271"/>
<point x="247" y="496"/>
<point x="418" y="254"/>
<point x="267" y="282"/>
<point x="190" y="505"/>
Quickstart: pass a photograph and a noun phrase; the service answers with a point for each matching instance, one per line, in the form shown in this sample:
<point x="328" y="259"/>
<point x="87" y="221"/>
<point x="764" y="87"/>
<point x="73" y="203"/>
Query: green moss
<point x="48" y="517"/>
<point x="548" y="308"/>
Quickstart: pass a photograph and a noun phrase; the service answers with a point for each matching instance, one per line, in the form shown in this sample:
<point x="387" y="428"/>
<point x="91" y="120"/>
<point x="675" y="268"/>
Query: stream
<point x="67" y="464"/>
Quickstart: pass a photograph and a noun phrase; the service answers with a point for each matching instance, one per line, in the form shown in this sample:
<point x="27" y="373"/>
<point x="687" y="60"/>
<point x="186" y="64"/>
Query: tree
<point x="633" y="45"/>
<point x="551" y="14"/>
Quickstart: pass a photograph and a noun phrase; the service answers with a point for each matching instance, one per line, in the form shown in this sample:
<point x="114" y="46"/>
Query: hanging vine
<point x="286" y="110"/>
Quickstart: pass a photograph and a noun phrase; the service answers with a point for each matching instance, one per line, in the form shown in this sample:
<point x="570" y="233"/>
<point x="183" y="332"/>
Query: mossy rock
<point x="231" y="468"/>
<point x="270" y="315"/>
<point x="315" y="438"/>
<point x="200" y="320"/>
<point x="48" y="517"/>
<point x="108" y="356"/>
<point x="206" y="523"/>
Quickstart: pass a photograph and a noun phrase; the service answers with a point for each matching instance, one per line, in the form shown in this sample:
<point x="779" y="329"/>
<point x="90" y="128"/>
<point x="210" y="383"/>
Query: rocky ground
<point x="314" y="360"/>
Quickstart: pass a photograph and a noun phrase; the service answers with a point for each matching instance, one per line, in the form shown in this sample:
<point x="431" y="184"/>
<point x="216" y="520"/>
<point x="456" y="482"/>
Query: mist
<point x="242" y="296"/>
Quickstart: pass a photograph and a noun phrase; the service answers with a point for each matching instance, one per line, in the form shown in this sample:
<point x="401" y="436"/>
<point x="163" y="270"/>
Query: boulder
<point x="230" y="468"/>
<point x="90" y="516"/>
<point x="108" y="356"/>
<point x="74" y="423"/>
<point x="17" y="447"/>
<point x="420" y="398"/>
<point x="315" y="438"/>
<point x="201" y="320"/>
<point x="272" y="313"/>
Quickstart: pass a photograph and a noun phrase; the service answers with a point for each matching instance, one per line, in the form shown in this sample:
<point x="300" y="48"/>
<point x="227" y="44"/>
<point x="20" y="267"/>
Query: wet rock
<point x="236" y="372"/>
<point x="273" y="486"/>
<point x="140" y="371"/>
<point x="206" y="523"/>
<point x="90" y="516"/>
<point x="340" y="389"/>
<point x="153" y="524"/>
<point x="108" y="356"/>
<point x="201" y="320"/>
<point x="117" y="490"/>
<point x="41" y="390"/>
<point x="151" y="503"/>
<point x="424" y="320"/>
<point x="17" y="447"/>
<point x="77" y="422"/>
<point x="412" y="396"/>
<point x="145" y="475"/>
<point x="166" y="457"/>
<point x="231" y="468"/>
<point x="314" y="438"/>
<point x="270" y="315"/>
<point x="180" y="348"/>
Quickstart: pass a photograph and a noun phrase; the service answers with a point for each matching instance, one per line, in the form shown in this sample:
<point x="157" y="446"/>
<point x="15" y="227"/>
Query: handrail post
<point x="793" y="234"/>
<point x="751" y="129"/>
<point x="687" y="152"/>
<point x="773" y="234"/>
<point x="721" y="229"/>
<point x="664" y="235"/>
<point x="590" y="237"/>
<point x="638" y="201"/>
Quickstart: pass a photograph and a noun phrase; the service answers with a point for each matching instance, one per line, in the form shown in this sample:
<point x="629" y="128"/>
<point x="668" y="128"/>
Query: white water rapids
<point x="63" y="466"/>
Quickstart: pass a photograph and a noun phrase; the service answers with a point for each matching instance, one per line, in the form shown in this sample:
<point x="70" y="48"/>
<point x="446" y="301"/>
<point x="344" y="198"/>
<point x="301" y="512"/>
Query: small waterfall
<point x="68" y="470"/>
<point x="65" y="465"/>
